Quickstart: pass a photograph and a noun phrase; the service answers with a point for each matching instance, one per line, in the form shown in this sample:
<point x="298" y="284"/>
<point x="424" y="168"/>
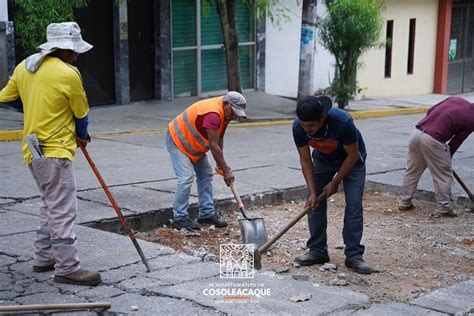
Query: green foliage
<point x="350" y="28"/>
<point x="33" y="16"/>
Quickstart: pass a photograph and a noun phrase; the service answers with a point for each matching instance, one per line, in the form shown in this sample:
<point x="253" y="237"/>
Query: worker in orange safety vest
<point x="190" y="136"/>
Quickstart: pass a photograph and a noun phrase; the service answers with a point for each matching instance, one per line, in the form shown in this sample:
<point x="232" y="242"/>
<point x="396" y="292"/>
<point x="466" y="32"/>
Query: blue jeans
<point x="353" y="184"/>
<point x="184" y="170"/>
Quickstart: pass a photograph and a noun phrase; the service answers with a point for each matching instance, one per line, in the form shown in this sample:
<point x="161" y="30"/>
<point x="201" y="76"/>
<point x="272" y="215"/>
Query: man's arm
<point x="457" y="140"/>
<point x="308" y="174"/>
<point x="81" y="130"/>
<point x="353" y="155"/>
<point x="10" y="92"/>
<point x="215" y="142"/>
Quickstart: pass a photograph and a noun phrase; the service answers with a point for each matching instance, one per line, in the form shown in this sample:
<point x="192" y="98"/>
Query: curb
<point x="16" y="135"/>
<point x="390" y="112"/>
<point x="11" y="135"/>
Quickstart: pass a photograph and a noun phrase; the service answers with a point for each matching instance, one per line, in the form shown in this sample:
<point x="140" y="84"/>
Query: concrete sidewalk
<point x="129" y="149"/>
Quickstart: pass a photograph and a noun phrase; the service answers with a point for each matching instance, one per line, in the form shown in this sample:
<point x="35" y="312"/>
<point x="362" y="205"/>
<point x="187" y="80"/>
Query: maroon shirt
<point x="210" y="120"/>
<point x="450" y="120"/>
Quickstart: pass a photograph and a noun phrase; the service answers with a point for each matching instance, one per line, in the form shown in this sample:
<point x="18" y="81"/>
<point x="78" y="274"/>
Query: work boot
<point x="40" y="269"/>
<point x="213" y="220"/>
<point x="359" y="266"/>
<point x="80" y="277"/>
<point x="311" y="258"/>
<point x="406" y="208"/>
<point x="186" y="224"/>
<point x="449" y="213"/>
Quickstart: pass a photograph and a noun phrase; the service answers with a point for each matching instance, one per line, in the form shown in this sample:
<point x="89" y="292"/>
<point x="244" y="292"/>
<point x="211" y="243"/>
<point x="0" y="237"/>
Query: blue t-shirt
<point x="340" y="131"/>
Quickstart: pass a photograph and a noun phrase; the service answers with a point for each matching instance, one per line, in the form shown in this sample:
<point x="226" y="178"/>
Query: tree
<point x="307" y="48"/>
<point x="350" y="29"/>
<point x="33" y="16"/>
<point x="226" y="10"/>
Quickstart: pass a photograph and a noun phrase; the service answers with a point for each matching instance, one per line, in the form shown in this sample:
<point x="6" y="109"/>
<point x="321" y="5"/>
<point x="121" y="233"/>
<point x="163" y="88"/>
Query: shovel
<point x="464" y="186"/>
<point x="259" y="250"/>
<point x="252" y="230"/>
<point x="125" y="226"/>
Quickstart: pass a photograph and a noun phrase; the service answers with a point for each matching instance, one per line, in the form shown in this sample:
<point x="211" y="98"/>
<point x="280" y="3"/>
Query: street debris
<point x="328" y="267"/>
<point x="280" y="270"/>
<point x="301" y="297"/>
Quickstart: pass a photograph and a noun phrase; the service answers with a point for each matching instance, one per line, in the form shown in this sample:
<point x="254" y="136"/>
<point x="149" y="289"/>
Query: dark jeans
<point x="353" y="184"/>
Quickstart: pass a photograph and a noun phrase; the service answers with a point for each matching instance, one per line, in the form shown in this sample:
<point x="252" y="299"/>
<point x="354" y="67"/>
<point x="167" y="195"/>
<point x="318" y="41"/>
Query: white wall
<point x="372" y="73"/>
<point x="283" y="54"/>
<point x="3" y="10"/>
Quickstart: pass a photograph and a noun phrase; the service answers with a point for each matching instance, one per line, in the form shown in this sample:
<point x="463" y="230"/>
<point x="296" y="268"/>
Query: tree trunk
<point x="307" y="48"/>
<point x="227" y="15"/>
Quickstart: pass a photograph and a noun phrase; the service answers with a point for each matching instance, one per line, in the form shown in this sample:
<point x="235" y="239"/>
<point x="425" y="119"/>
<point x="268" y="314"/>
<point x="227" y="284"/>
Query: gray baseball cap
<point x="237" y="102"/>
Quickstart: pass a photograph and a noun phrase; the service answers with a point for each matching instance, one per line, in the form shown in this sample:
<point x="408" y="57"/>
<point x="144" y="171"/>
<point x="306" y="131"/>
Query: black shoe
<point x="449" y="213"/>
<point x="40" y="269"/>
<point x="213" y="220"/>
<point x="311" y="258"/>
<point x="406" y="208"/>
<point x="185" y="223"/>
<point x="359" y="266"/>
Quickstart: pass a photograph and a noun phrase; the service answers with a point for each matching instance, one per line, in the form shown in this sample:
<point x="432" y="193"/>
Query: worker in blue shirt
<point x="338" y="156"/>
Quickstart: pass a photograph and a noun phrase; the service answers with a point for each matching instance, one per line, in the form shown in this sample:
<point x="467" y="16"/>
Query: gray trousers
<point x="425" y="151"/>
<point x="55" y="240"/>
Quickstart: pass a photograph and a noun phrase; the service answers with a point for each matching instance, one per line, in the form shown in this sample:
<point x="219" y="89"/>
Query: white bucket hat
<point x="66" y="35"/>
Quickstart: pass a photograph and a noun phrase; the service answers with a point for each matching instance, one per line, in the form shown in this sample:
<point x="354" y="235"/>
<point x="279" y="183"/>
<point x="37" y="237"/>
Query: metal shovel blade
<point x="253" y="231"/>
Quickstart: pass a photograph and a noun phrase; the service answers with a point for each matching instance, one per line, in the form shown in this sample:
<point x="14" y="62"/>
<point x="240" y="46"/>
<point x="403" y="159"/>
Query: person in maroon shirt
<point x="432" y="144"/>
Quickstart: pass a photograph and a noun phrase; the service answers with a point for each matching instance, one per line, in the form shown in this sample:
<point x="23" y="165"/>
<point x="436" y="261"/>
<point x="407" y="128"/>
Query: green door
<point x="199" y="66"/>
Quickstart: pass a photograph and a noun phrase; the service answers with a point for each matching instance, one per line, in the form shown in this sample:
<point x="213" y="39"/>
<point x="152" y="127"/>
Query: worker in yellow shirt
<point x="55" y="115"/>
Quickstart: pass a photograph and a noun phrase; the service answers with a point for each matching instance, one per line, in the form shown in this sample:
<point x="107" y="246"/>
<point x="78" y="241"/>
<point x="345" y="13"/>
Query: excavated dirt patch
<point x="414" y="251"/>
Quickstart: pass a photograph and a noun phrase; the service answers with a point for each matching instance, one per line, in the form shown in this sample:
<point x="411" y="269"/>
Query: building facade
<point x="155" y="49"/>
<point x="430" y="51"/>
<point x="407" y="66"/>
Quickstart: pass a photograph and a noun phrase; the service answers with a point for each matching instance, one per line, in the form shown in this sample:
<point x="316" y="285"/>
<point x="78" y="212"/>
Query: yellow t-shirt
<point x="52" y="97"/>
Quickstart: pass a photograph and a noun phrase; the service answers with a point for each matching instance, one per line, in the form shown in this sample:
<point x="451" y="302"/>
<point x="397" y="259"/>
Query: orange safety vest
<point x="183" y="130"/>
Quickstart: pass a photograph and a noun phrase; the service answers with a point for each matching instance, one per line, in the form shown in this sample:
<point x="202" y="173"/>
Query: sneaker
<point x="449" y="213"/>
<point x="40" y="269"/>
<point x="359" y="266"/>
<point x="80" y="277"/>
<point x="406" y="208"/>
<point x="213" y="220"/>
<point x="311" y="258"/>
<point x="185" y="223"/>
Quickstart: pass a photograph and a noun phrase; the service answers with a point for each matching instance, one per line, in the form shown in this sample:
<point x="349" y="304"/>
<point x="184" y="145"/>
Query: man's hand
<point x="228" y="176"/>
<point x="331" y="188"/>
<point x="84" y="142"/>
<point x="312" y="201"/>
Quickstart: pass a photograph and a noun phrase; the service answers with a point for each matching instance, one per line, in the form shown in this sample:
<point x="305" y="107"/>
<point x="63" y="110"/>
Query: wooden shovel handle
<point x="295" y="220"/>
<point x="232" y="188"/>
<point x="67" y="306"/>
<point x="463" y="185"/>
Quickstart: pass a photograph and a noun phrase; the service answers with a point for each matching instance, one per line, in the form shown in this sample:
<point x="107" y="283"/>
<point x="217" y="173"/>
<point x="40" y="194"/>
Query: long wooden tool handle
<point x="236" y="196"/>
<point x="42" y="307"/>
<point x="240" y="205"/>
<point x="464" y="186"/>
<point x="125" y="226"/>
<point x="291" y="224"/>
